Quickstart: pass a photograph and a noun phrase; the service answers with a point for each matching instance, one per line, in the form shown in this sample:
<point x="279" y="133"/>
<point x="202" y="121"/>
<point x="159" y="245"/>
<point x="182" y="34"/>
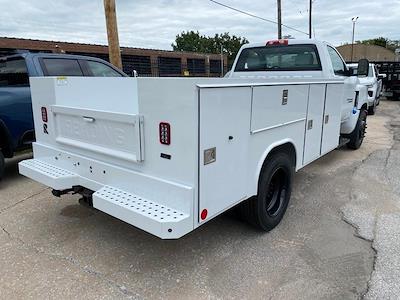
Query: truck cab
<point x="302" y="59"/>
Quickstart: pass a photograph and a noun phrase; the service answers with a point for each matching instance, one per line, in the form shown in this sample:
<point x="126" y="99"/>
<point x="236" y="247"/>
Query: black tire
<point x="2" y="164"/>
<point x="372" y="109"/>
<point x="267" y="209"/>
<point x="358" y="134"/>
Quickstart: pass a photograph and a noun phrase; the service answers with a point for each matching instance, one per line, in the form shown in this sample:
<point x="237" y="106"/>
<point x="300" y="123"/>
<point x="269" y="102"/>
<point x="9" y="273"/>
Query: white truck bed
<point x="103" y="134"/>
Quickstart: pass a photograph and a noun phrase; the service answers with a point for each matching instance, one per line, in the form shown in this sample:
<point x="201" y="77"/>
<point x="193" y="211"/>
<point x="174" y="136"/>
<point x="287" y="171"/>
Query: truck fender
<point x="282" y="144"/>
<point x="362" y="96"/>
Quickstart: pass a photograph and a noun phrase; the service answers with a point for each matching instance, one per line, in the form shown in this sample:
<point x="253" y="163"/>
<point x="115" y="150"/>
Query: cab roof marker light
<point x="277" y="43"/>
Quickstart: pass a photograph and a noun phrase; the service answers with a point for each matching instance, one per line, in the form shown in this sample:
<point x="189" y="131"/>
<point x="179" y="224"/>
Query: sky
<point x="155" y="23"/>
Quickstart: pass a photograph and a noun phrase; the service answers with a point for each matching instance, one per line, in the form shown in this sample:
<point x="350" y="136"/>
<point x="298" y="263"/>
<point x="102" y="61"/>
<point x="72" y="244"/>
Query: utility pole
<point x="279" y="19"/>
<point x="222" y="61"/>
<point x="112" y="33"/>
<point x="354" y="20"/>
<point x="310" y="20"/>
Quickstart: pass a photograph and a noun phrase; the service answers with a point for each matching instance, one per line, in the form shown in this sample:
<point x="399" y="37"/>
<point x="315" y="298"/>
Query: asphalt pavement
<point x="338" y="240"/>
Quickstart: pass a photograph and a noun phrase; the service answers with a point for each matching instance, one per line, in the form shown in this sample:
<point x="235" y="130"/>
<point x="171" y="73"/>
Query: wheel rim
<point x="276" y="192"/>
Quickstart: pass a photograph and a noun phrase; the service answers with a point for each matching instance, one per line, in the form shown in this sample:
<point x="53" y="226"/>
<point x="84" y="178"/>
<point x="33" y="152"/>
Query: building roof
<point x="58" y="46"/>
<point x="370" y="52"/>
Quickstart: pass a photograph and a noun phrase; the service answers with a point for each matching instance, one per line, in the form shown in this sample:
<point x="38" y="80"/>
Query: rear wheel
<point x="358" y="134"/>
<point x="2" y="164"/>
<point x="267" y="209"/>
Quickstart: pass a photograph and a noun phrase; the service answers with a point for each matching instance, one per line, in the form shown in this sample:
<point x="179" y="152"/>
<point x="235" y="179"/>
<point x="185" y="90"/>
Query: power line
<point x="254" y="16"/>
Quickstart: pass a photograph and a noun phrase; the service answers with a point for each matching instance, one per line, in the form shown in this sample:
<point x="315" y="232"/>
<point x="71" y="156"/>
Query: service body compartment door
<point x="315" y="110"/>
<point x="99" y="133"/>
<point x="332" y="117"/>
<point x="224" y="116"/>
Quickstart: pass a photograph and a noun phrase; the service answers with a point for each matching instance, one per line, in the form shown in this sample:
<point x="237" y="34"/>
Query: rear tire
<point x="358" y="134"/>
<point x="267" y="209"/>
<point x="2" y="164"/>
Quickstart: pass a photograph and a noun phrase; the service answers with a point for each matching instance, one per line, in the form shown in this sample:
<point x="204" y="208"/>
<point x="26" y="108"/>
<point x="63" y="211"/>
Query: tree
<point x="193" y="41"/>
<point x="383" y="42"/>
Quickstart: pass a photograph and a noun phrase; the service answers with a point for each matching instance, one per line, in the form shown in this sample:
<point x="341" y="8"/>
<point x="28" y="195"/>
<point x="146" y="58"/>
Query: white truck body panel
<point x="112" y="150"/>
<point x="104" y="134"/>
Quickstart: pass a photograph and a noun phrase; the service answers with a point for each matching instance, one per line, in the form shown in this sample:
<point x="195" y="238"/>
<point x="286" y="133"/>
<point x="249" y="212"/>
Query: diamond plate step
<point x="48" y="174"/>
<point x="149" y="215"/>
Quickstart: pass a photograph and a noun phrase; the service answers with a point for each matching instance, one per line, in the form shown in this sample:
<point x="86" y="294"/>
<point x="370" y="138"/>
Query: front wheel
<point x="267" y="209"/>
<point x="358" y="134"/>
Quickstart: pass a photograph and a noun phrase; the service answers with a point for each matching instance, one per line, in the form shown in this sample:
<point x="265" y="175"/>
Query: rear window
<point x="279" y="58"/>
<point x="62" y="67"/>
<point x="13" y="73"/>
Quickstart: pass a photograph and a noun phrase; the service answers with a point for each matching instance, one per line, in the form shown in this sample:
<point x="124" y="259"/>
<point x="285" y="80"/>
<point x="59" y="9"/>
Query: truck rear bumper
<point x="150" y="215"/>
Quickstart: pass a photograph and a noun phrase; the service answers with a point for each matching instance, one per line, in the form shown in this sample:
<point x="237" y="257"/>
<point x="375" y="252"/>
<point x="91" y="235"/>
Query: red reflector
<point x="277" y="43"/>
<point x="44" y="114"/>
<point x="165" y="133"/>
<point x="204" y="213"/>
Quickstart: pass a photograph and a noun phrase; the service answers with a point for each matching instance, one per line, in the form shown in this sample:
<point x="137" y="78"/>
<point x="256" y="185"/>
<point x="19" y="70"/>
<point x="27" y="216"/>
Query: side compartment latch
<point x="285" y="95"/>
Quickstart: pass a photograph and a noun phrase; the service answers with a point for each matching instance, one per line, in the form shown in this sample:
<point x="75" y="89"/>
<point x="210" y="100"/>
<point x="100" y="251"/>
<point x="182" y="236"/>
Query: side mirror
<point x="363" y="67"/>
<point x="382" y="76"/>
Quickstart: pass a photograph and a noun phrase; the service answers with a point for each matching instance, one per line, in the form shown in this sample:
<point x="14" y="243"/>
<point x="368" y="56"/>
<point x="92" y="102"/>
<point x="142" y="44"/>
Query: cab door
<point x="339" y="69"/>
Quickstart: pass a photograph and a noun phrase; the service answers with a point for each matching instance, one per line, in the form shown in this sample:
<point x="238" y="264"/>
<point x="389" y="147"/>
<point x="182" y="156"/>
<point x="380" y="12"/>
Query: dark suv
<point x="16" y="120"/>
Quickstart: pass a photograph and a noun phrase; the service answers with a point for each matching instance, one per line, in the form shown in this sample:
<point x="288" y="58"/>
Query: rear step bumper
<point x="48" y="174"/>
<point x="147" y="214"/>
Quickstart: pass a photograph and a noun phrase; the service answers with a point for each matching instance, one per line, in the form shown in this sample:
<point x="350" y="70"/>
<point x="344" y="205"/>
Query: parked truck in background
<point x="16" y="119"/>
<point x="373" y="82"/>
<point x="391" y="81"/>
<point x="169" y="154"/>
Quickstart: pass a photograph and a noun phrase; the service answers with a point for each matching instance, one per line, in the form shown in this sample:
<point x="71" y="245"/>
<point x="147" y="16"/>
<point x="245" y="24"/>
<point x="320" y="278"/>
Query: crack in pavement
<point x="364" y="213"/>
<point x="74" y="262"/>
<point x="22" y="200"/>
<point x="69" y="259"/>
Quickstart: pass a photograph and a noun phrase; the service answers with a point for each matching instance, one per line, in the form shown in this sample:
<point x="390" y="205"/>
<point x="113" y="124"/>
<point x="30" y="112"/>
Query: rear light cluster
<point x="277" y="43"/>
<point x="165" y="133"/>
<point x="44" y="114"/>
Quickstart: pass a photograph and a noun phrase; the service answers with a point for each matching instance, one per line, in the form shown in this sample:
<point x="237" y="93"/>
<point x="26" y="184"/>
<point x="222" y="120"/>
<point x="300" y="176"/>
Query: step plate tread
<point x="139" y="205"/>
<point x="47" y="169"/>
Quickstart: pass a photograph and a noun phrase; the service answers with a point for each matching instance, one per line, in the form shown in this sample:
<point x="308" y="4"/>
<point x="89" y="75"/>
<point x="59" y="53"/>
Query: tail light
<point x="165" y="133"/>
<point x="44" y="114"/>
<point x="277" y="43"/>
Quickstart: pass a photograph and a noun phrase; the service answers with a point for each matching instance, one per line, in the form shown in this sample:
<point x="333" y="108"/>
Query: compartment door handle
<point x="89" y="119"/>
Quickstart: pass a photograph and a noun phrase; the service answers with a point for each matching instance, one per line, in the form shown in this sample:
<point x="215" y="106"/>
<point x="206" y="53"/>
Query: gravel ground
<point x="55" y="248"/>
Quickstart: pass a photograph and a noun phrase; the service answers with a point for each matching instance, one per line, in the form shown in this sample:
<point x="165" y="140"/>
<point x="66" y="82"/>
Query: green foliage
<point x="383" y="42"/>
<point x="195" y="42"/>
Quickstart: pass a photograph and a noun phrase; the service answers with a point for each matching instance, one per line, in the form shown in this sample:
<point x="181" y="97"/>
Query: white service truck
<point x="169" y="154"/>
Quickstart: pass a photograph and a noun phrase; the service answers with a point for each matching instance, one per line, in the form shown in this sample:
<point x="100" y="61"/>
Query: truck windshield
<point x="279" y="58"/>
<point x="13" y="72"/>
